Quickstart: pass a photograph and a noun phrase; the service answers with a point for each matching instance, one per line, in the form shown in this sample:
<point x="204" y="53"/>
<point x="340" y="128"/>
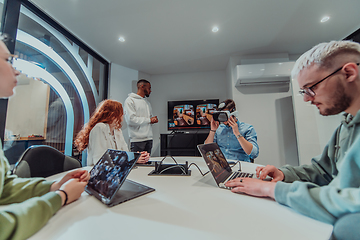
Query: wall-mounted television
<point x="190" y="114"/>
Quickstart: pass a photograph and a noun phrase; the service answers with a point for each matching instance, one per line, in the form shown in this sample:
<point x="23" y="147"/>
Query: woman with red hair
<point x="103" y="131"/>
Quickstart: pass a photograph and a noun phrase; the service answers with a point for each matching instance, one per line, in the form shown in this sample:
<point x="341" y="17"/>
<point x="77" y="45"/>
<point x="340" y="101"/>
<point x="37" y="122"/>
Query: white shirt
<point x="101" y="139"/>
<point x="137" y="115"/>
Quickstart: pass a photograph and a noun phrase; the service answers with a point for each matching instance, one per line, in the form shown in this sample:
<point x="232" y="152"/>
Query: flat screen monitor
<point x="190" y="114"/>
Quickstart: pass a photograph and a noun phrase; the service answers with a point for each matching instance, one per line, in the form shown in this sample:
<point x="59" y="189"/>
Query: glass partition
<point x="1" y="11"/>
<point x="60" y="85"/>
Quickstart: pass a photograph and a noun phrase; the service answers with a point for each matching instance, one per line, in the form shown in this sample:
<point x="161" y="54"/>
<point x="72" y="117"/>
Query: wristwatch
<point x="238" y="136"/>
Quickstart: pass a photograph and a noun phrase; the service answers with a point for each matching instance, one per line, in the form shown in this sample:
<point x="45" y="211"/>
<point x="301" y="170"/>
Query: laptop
<point x="108" y="181"/>
<point x="218" y="165"/>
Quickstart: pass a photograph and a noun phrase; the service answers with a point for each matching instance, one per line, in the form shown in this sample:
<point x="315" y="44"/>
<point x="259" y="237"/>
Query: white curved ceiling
<point x="173" y="36"/>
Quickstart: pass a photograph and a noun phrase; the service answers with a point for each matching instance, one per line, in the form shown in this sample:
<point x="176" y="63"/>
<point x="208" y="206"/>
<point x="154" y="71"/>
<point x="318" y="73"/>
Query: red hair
<point x="108" y="111"/>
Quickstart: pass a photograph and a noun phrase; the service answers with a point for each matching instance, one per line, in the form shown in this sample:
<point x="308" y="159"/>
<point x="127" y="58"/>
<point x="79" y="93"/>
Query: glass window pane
<point x="71" y="80"/>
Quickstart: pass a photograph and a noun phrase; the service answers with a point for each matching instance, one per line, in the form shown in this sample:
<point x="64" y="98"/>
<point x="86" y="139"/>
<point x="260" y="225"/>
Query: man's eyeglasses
<point x="309" y="90"/>
<point x="11" y="58"/>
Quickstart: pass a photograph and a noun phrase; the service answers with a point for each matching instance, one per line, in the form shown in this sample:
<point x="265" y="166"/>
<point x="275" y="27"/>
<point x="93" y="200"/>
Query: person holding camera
<point x="237" y="140"/>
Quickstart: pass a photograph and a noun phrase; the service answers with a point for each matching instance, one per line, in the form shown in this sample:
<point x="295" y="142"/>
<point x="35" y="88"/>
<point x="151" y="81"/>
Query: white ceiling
<point x="174" y="36"/>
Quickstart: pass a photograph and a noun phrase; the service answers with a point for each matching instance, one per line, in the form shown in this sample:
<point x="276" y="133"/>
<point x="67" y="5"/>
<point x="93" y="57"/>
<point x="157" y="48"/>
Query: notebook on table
<point x="108" y="181"/>
<point x="218" y="165"/>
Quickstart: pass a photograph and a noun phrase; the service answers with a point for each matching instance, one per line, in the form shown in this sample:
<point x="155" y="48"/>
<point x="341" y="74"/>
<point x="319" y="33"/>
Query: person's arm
<point x="131" y="117"/>
<point x="22" y="220"/>
<point x="323" y="198"/>
<point x="213" y="126"/>
<point x="153" y="119"/>
<point x="144" y="157"/>
<point x="31" y="204"/>
<point x="320" y="171"/>
<point x="326" y="198"/>
<point x="248" y="142"/>
<point x="80" y="174"/>
<point x="33" y="201"/>
<point x="324" y="203"/>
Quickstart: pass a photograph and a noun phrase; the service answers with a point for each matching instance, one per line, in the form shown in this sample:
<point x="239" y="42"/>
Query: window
<point x="61" y="83"/>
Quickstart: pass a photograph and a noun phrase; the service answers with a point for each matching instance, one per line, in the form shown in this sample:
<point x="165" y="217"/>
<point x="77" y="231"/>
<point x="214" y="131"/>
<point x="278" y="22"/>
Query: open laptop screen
<point x="109" y="173"/>
<point x="216" y="161"/>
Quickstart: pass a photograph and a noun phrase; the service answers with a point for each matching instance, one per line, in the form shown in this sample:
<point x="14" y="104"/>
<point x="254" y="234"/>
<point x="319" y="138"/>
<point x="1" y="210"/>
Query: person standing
<point x="138" y="116"/>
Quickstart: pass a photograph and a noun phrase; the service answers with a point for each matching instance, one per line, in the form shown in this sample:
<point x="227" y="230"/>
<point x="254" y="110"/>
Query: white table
<point x="182" y="207"/>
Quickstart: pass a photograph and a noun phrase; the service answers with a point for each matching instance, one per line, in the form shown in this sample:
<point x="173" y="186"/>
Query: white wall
<point x="184" y="86"/>
<point x="120" y="85"/>
<point x="269" y="109"/>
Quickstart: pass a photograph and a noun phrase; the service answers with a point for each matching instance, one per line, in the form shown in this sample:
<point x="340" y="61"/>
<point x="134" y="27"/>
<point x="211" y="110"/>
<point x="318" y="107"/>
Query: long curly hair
<point x="108" y="111"/>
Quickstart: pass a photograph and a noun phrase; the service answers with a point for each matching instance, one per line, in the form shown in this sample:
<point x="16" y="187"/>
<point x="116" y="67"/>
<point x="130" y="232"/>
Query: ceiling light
<point x="215" y="29"/>
<point x="121" y="39"/>
<point x="325" y="19"/>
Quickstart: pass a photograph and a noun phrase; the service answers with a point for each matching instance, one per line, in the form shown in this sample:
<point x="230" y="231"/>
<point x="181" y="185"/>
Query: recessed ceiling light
<point x="121" y="39"/>
<point x="215" y="29"/>
<point x="325" y="19"/>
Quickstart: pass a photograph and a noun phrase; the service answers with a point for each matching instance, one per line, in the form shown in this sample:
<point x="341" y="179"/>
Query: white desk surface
<point x="182" y="207"/>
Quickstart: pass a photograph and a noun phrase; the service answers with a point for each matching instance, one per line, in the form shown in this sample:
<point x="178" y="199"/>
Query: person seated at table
<point x="103" y="131"/>
<point x="329" y="188"/>
<point x="31" y="202"/>
<point x="237" y="140"/>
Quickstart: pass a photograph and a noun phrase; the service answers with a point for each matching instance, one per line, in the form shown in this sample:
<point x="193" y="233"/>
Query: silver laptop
<point x="108" y="181"/>
<point x="218" y="165"/>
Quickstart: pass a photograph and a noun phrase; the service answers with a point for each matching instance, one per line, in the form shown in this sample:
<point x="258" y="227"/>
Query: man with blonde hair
<point x="328" y="189"/>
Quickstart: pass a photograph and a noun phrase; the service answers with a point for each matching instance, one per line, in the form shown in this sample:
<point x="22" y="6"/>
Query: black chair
<point x="43" y="161"/>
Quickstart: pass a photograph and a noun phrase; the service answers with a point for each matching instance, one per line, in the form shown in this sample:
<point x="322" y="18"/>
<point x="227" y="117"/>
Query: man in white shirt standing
<point x="138" y="116"/>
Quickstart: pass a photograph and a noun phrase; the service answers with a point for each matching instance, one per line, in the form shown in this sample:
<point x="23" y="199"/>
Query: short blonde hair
<point x="323" y="53"/>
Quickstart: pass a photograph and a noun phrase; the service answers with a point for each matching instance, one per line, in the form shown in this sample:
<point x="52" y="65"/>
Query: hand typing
<point x="271" y="171"/>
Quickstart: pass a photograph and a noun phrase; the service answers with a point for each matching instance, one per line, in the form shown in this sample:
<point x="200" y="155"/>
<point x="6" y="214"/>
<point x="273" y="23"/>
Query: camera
<point x="223" y="116"/>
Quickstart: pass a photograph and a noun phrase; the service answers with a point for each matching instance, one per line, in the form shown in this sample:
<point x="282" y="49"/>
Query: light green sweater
<point x="31" y="204"/>
<point x="329" y="187"/>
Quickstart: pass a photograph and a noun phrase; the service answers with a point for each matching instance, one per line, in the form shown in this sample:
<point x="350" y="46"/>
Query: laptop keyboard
<point x="239" y="174"/>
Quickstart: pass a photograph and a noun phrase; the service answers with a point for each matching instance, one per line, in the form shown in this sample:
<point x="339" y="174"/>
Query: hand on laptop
<point x="144" y="157"/>
<point x="252" y="186"/>
<point x="271" y="171"/>
<point x="73" y="188"/>
<point x="80" y="174"/>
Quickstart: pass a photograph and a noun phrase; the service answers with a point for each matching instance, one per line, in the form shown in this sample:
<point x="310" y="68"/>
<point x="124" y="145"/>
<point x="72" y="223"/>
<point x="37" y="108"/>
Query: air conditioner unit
<point x="266" y="73"/>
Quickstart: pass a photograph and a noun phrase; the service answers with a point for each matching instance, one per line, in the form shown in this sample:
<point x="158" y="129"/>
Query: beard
<point x="147" y="94"/>
<point x="341" y="102"/>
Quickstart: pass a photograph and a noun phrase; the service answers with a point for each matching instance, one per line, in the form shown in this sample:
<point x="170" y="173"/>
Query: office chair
<point x="43" y="161"/>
